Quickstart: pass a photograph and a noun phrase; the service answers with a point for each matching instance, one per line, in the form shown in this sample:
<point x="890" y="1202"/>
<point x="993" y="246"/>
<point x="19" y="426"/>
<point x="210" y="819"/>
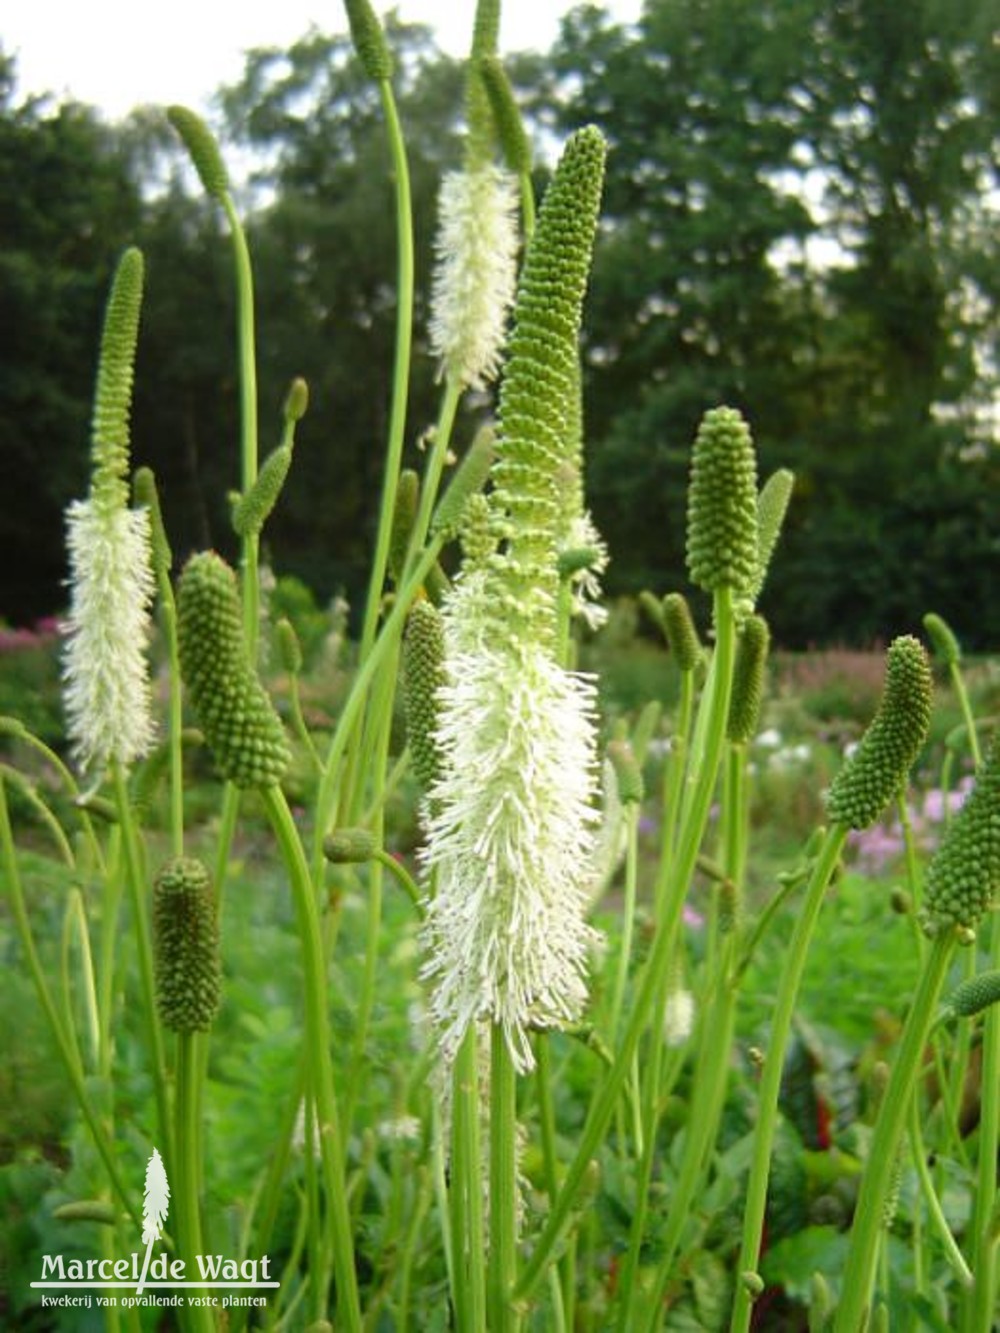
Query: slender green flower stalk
<point x="510" y="836"/>
<point x="111" y="578"/>
<point x="948" y="649"/>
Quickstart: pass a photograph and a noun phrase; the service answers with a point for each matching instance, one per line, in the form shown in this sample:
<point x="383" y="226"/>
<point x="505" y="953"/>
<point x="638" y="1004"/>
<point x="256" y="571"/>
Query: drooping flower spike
<point x="105" y="671"/>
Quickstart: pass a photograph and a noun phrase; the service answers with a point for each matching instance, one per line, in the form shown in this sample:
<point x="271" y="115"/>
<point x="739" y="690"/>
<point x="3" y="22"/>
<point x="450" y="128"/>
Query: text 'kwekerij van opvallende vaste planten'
<point x="566" y="1067"/>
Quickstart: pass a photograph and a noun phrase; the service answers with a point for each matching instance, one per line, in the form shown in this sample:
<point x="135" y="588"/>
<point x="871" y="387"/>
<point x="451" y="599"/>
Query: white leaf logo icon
<point x="155" y="1202"/>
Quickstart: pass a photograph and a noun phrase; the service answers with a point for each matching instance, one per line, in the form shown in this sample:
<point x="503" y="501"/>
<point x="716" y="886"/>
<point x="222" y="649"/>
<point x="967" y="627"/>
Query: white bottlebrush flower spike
<point x="155" y="1199"/>
<point x="510" y="844"/>
<point x="475" y="275"/>
<point x="105" y="672"/>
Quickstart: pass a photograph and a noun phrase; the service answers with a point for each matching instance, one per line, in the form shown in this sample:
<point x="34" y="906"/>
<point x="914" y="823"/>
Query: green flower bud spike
<point x="477" y="536"/>
<point x="748" y="680"/>
<point x="878" y="769"/>
<point x="146" y="496"/>
<point x="963" y="878"/>
<point x="289" y="648"/>
<point x="297" y="401"/>
<point x="251" y="511"/>
<point x="470" y="477"/>
<point x="678" y="626"/>
<point x="943" y="639"/>
<point x="653" y="608"/>
<point x="349" y="846"/>
<point x="187" y="969"/>
<point x="404" y="515"/>
<point x="514" y="142"/>
<point x="110" y="434"/>
<point x="541" y="377"/>
<point x="972" y="996"/>
<point x="722" y="505"/>
<point x="240" y="725"/>
<point x="772" y="505"/>
<point x="202" y="150"/>
<point x="628" y="772"/>
<point x="369" y="40"/>
<point x="423" y="664"/>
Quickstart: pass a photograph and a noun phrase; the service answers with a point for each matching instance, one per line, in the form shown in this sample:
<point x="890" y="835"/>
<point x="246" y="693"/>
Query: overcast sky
<point x="116" y="55"/>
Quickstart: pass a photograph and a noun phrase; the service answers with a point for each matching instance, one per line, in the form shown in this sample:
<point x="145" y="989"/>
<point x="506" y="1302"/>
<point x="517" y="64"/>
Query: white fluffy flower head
<point x="476" y="272"/>
<point x="510" y="844"/>
<point x="104" y="663"/>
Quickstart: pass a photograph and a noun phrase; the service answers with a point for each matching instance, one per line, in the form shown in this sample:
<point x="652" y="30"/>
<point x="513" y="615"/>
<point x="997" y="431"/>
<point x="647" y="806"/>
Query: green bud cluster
<point x="678" y="626"/>
<point x="963" y="878"/>
<point x="477" y="536"/>
<point x="369" y="40"/>
<point x="748" y="680"/>
<point x="772" y="505"/>
<point x="202" y="150"/>
<point x="514" y="142"/>
<point x="349" y="846"/>
<point x="722" y="505"/>
<point x="943" y="640"/>
<point x="469" y="479"/>
<point x="541" y="377"/>
<point x="251" y="510"/>
<point x="628" y="772"/>
<point x="110" y="435"/>
<point x="423" y="664"/>
<point x="404" y="515"/>
<point x="878" y="769"/>
<point x="187" y="970"/>
<point x="972" y="996"/>
<point x="241" y="727"/>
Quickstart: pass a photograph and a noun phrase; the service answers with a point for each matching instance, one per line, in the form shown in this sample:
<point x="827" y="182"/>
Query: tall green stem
<point x="466" y="1190"/>
<point x="187" y="1156"/>
<point x="982" y="1304"/>
<point x="859" y="1274"/>
<point x="767" y="1111"/>
<point x="317" y="1033"/>
<point x="503" y="1185"/>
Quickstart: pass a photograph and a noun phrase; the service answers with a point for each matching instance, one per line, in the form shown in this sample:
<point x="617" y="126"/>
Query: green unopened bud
<point x="753" y="1282"/>
<point x="86" y="1210"/>
<point x="891" y="1204"/>
<point x="972" y="996"/>
<point x="241" y="727"/>
<point x="423" y="663"/>
<point x="146" y="495"/>
<point x="628" y="773"/>
<point x="347" y="846"/>
<point x="289" y="648"/>
<point x="251" y="511"/>
<point x="748" y="680"/>
<point x="680" y="631"/>
<point x="297" y="401"/>
<point x="188" y="973"/>
<point x="653" y="608"/>
<point x="110" y="431"/>
<point x="576" y="559"/>
<point x="722" y="504"/>
<point x="963" y="878"/>
<point x="469" y="479"/>
<point x="900" y="901"/>
<point x="943" y="640"/>
<point x="772" y="505"/>
<point x="404" y="515"/>
<point x="514" y="142"/>
<point x="878" y="769"/>
<point x="820" y="1303"/>
<point x="437" y="585"/>
<point x="369" y="40"/>
<point x="202" y="150"/>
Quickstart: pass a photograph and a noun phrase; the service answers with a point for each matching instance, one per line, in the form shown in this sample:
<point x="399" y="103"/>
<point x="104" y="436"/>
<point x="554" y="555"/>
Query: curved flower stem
<point x="953" y="1253"/>
<point x="628" y="922"/>
<point x="855" y="1303"/>
<point x="12" y="875"/>
<point x="435" y="466"/>
<point x="716" y="701"/>
<point x="962" y="695"/>
<point x="401" y="371"/>
<point x="673" y="785"/>
<point x="320" y="1073"/>
<point x="767" y="1113"/>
